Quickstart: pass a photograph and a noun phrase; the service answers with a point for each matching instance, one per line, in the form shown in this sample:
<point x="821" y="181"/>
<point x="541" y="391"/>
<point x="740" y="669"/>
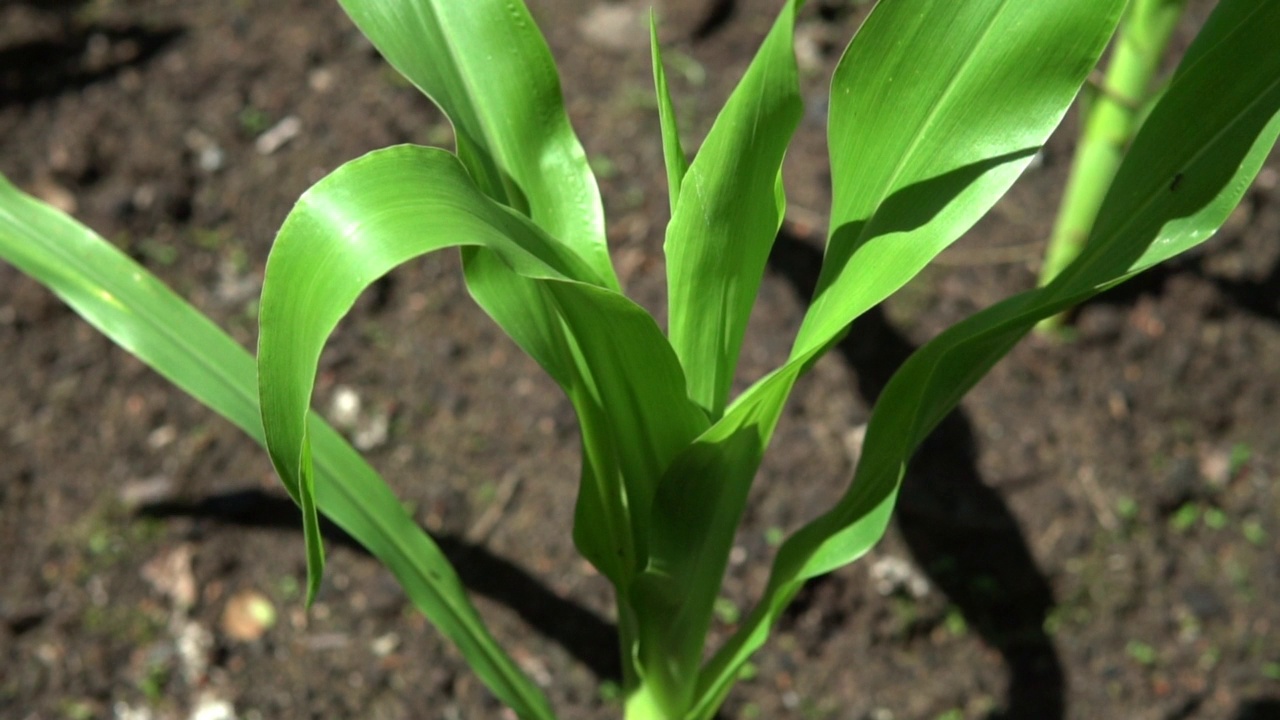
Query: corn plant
<point x="1108" y="124"/>
<point x="936" y="107"/>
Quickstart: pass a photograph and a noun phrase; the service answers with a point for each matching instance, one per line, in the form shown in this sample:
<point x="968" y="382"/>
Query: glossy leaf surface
<point x="136" y="311"/>
<point x="487" y="66"/>
<point x="936" y="108"/>
<point x="727" y="215"/>
<point x="1176" y="187"/>
<point x="916" y="187"/>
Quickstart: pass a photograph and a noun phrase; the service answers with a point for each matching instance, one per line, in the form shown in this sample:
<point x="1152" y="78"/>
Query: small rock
<point x="209" y="156"/>
<point x="1215" y="466"/>
<point x="384" y="645"/>
<point x="147" y="491"/>
<point x="234" y="286"/>
<point x="278" y="136"/>
<point x="55" y="194"/>
<point x="170" y="575"/>
<point x="853" y="440"/>
<point x="891" y="575"/>
<point x="193" y="643"/>
<point x="367" y="430"/>
<point x="209" y="707"/>
<point x="124" y="711"/>
<point x="344" y="409"/>
<point x="808" y="44"/>
<point x="320" y="80"/>
<point x="247" y="616"/>
<point x="616" y="27"/>
<point x="211" y="159"/>
<point x="372" y="432"/>
<point x="144" y="197"/>
<point x="162" y="436"/>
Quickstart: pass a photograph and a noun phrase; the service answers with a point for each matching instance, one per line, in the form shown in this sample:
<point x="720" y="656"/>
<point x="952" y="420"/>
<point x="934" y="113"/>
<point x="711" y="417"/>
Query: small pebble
<point x="247" y="616"/>
<point x="278" y="136"/>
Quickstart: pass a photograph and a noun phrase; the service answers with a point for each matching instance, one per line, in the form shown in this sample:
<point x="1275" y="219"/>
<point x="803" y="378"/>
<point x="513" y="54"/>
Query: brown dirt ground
<point x="1094" y="534"/>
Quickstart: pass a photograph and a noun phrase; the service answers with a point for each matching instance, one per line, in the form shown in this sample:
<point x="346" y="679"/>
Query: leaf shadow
<point x="960" y="532"/>
<point x="906" y="209"/>
<point x="592" y="640"/>
<point x="1259" y="298"/>
<point x="714" y="18"/>
<point x="1261" y="709"/>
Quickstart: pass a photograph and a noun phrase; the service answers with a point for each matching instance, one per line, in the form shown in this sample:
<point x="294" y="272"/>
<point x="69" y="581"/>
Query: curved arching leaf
<point x="136" y="311"/>
<point x="395" y="204"/>
<point x="486" y="65"/>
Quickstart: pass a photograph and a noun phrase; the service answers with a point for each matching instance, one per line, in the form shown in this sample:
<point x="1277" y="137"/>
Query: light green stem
<point x="655" y="689"/>
<point x="1108" y="126"/>
<point x="649" y="692"/>
<point x="644" y="704"/>
<point x="626" y="645"/>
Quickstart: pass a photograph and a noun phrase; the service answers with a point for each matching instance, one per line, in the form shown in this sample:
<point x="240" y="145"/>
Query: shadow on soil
<point x="75" y="57"/>
<point x="585" y="635"/>
<point x="590" y="639"/>
<point x="1268" y="709"/>
<point x="1259" y="297"/>
<point x="62" y="8"/>
<point x="960" y="532"/>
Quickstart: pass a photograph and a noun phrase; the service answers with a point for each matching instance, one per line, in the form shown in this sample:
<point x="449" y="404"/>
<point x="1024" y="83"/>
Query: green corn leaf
<point x="727" y="216"/>
<point x="487" y="66"/>
<point x="672" y="151"/>
<point x="626" y="387"/>
<point x="135" y="310"/>
<point x="1187" y="169"/>
<point x="923" y="143"/>
<point x="701" y="500"/>
<point x="302" y="300"/>
<point x="921" y="155"/>
<point x="395" y="204"/>
<point x="897" y="160"/>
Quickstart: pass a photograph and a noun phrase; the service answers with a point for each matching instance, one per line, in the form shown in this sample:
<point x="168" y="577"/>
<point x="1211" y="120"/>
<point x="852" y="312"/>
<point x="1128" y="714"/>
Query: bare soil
<point x="1094" y="534"/>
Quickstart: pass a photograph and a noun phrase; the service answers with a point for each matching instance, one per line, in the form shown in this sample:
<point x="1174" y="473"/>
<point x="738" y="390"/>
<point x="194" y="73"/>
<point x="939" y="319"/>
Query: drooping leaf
<point x="136" y="311"/>
<point x="389" y="206"/>
<point x="486" y="65"/>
